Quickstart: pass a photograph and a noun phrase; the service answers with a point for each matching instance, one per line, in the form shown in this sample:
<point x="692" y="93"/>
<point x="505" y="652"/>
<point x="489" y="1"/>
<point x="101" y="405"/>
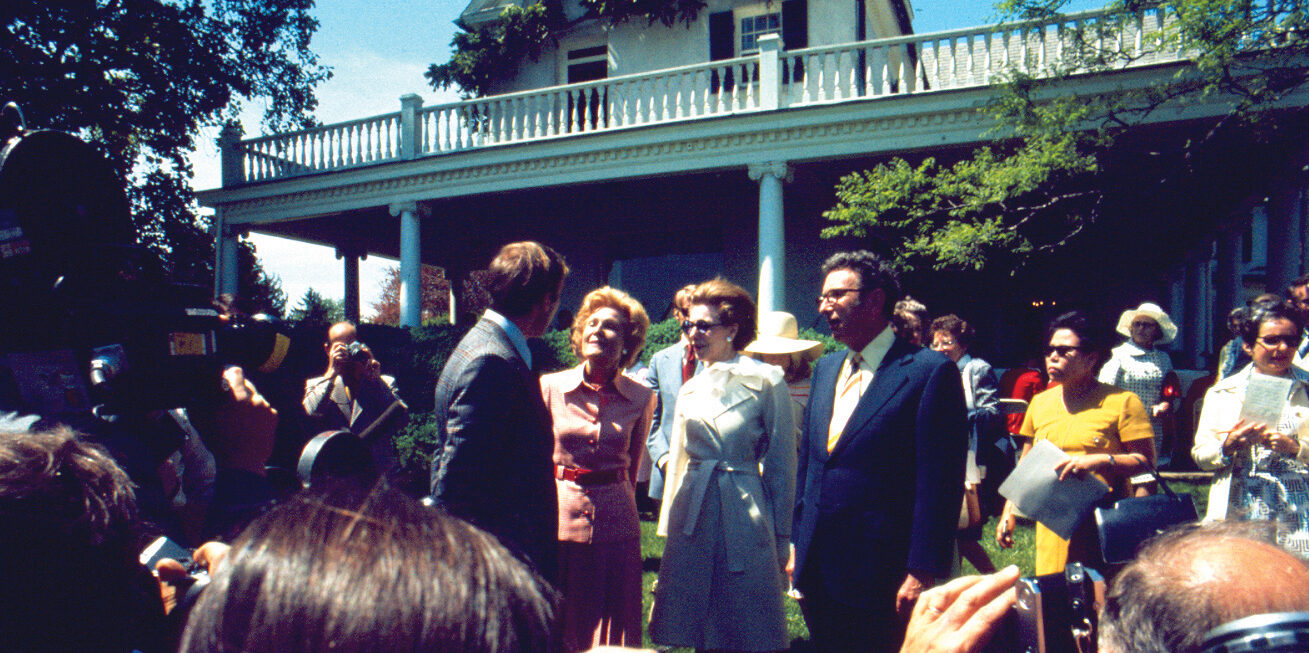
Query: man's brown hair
<point x="523" y="274"/>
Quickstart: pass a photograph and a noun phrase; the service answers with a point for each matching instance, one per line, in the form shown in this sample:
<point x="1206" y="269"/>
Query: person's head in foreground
<point x="70" y="578"/>
<point x="1182" y="585"/>
<point x="1187" y="582"/>
<point x="345" y="570"/>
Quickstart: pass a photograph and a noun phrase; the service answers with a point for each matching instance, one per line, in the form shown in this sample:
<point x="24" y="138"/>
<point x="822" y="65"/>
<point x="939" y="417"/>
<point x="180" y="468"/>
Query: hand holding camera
<point x="353" y="362"/>
<point x="962" y="614"/>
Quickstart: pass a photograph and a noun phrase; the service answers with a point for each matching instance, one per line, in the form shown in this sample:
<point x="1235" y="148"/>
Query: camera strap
<point x="1081" y="608"/>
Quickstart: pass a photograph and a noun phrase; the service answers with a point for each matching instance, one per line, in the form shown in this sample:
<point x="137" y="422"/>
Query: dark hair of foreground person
<point x="348" y="570"/>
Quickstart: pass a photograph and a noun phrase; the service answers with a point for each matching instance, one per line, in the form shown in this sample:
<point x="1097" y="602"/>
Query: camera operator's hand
<point x="338" y="359"/>
<point x="172" y="574"/>
<point x="243" y="427"/>
<point x="960" y="616"/>
<point x="210" y="555"/>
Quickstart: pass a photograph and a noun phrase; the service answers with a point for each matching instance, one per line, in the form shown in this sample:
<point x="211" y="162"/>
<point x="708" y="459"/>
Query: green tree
<point x="435" y="300"/>
<point x="492" y="53"/>
<point x="1039" y="184"/>
<point x="140" y="78"/>
<point x="315" y="308"/>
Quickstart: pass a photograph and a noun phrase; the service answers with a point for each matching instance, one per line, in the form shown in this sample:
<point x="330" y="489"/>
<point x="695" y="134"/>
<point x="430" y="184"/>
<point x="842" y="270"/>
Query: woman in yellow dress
<point x="1105" y="431"/>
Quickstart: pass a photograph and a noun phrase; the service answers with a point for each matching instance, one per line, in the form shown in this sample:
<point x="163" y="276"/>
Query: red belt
<point x="583" y="476"/>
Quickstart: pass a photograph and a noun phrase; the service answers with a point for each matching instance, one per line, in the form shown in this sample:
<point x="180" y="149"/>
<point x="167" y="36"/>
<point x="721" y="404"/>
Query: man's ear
<point x="877" y="298"/>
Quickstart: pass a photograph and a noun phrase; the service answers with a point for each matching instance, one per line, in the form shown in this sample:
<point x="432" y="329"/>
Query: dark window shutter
<point x="795" y="24"/>
<point x="722" y="31"/>
<point x="722" y="45"/>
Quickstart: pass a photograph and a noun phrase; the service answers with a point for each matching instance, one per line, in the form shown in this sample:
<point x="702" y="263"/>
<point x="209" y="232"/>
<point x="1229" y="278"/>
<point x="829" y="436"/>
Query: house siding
<point x="637" y="48"/>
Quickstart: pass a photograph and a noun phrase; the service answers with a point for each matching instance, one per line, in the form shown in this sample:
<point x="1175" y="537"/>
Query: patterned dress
<point x="1270" y="486"/>
<point x="1141" y="372"/>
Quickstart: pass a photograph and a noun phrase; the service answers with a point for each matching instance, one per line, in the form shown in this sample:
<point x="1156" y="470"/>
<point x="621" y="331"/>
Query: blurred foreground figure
<point x="347" y="570"/>
<point x="1181" y="586"/>
<point x="1185" y="583"/>
<point x="68" y="558"/>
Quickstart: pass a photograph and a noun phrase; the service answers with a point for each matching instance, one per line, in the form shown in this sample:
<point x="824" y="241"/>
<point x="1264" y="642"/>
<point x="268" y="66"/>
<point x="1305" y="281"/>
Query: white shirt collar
<point x="875" y="351"/>
<point x="963" y="361"/>
<point x="516" y="337"/>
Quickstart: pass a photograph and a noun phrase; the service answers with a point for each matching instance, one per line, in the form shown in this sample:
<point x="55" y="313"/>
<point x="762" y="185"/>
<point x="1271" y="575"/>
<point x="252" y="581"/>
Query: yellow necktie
<point x="847" y="398"/>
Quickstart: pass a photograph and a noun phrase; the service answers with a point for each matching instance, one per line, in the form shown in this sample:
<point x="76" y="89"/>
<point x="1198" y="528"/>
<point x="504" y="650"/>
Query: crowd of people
<point x="853" y="480"/>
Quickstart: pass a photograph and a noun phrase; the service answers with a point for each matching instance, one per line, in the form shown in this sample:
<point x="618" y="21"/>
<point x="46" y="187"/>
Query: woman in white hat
<point x="778" y="343"/>
<point x="1139" y="367"/>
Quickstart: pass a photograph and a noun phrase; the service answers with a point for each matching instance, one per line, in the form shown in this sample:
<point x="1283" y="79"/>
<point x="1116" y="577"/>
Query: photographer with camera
<point x="1177" y="595"/>
<point x="353" y="394"/>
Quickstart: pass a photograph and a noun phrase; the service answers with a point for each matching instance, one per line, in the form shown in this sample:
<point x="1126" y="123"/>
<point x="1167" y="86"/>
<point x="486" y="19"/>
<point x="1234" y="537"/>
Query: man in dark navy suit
<point x="881" y="467"/>
<point x="494" y="461"/>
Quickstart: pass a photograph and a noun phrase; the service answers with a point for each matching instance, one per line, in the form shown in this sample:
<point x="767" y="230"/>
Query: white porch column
<point x="1283" y="238"/>
<point x="411" y="301"/>
<point x="1195" y="301"/>
<point x="351" y="258"/>
<point x="1227" y="278"/>
<point x="411" y="131"/>
<point x="770" y="81"/>
<point x="772" y="233"/>
<point x="227" y="240"/>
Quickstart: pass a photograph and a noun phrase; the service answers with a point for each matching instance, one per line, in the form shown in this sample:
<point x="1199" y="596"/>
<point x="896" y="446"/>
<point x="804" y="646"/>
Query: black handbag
<point x="1129" y="522"/>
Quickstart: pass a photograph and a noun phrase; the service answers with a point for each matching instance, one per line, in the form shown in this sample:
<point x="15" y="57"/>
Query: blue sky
<point x="378" y="51"/>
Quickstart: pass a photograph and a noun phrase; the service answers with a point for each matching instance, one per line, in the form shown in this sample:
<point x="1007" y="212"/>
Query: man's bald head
<point x="342" y="332"/>
<point x="1188" y="582"/>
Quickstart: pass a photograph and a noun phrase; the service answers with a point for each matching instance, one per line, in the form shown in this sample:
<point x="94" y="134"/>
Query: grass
<point x="1022" y="554"/>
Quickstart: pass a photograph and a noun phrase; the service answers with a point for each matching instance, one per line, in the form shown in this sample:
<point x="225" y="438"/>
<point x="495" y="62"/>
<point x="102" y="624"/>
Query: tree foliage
<point x="492" y="53"/>
<point x="315" y="308"/>
<point x="1038" y="185"/>
<point x="435" y="302"/>
<point x="140" y="78"/>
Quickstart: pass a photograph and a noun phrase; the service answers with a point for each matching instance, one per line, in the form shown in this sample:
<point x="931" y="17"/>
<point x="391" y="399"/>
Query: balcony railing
<point x="771" y="80"/>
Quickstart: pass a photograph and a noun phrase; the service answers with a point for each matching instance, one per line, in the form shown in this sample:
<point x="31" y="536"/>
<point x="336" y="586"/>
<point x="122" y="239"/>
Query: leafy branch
<point x="1039" y="187"/>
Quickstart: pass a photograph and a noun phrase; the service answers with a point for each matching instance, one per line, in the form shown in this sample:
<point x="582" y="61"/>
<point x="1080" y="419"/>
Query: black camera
<point x="86" y="326"/>
<point x="356" y="352"/>
<point x="1053" y="613"/>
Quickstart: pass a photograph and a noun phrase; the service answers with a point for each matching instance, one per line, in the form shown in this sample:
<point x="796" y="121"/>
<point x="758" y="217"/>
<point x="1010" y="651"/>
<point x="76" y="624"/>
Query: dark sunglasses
<point x="703" y="325"/>
<point x="1062" y="350"/>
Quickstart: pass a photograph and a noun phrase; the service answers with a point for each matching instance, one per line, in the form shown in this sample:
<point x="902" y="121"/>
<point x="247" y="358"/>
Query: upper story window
<point x="753" y="23"/>
<point x="587" y="64"/>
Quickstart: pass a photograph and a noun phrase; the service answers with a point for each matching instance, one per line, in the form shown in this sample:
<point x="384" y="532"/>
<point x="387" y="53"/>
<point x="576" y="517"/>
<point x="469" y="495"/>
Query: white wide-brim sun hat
<point x="1167" y="329"/>
<point x="780" y="334"/>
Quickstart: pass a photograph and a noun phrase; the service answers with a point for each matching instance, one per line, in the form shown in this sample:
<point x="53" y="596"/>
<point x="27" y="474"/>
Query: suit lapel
<point x="821" y="396"/>
<point x="886" y="383"/>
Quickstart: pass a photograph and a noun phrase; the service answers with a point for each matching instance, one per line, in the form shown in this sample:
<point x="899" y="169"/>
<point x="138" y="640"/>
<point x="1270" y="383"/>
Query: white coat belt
<point x="730" y="492"/>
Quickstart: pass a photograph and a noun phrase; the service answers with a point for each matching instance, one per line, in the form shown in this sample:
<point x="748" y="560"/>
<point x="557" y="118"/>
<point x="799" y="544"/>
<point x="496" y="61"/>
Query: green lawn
<point x="1022" y="554"/>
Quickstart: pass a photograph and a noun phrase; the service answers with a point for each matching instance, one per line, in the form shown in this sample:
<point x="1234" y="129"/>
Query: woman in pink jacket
<point x="601" y="418"/>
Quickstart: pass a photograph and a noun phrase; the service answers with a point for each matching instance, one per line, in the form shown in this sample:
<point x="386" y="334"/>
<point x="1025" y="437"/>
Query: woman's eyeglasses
<point x="1062" y="350"/>
<point x="1272" y="342"/>
<point x="703" y="325"/>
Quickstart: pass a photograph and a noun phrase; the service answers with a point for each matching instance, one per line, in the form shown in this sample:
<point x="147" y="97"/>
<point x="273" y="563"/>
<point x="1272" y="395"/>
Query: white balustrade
<point x="846" y="72"/>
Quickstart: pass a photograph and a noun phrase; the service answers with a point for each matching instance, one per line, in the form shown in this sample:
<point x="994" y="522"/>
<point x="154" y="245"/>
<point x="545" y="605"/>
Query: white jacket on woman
<point x="1222" y="409"/>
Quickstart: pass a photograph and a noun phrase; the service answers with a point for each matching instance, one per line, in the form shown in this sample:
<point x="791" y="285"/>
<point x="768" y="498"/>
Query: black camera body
<point x="356" y="352"/>
<point x="1052" y="613"/>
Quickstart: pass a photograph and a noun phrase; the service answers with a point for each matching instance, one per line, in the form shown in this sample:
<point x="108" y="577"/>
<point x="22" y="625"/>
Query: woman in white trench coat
<point x="730" y="490"/>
